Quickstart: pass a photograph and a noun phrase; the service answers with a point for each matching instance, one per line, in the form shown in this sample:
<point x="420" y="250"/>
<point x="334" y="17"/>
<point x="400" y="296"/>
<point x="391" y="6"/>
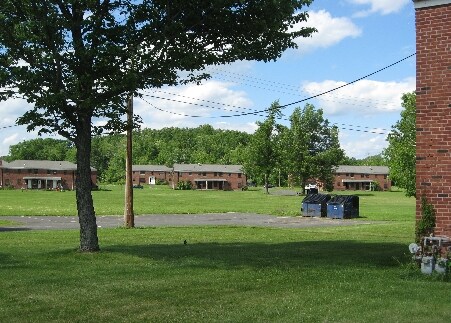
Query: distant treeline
<point x="166" y="146"/>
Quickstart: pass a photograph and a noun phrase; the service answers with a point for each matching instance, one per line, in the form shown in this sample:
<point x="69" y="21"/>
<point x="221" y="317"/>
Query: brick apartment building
<point x="40" y="174"/>
<point x="433" y="122"/>
<point x="362" y="178"/>
<point x="210" y="177"/>
<point x="151" y="174"/>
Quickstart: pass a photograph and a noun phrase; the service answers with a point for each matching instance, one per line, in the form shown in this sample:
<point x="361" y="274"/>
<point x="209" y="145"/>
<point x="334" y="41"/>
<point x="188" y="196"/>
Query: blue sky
<point x="354" y="39"/>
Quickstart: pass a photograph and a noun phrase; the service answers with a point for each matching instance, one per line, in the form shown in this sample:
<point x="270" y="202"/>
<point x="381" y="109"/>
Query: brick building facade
<point x="40" y="174"/>
<point x="151" y="174"/>
<point x="210" y="177"/>
<point x="362" y="178"/>
<point x="433" y="150"/>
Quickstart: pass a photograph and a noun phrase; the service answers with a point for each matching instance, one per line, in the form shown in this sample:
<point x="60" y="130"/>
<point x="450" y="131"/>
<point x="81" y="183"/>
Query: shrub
<point x="425" y="226"/>
<point x="184" y="185"/>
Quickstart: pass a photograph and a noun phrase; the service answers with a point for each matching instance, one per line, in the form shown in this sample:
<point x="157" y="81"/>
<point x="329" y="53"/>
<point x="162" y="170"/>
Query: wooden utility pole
<point x="129" y="216"/>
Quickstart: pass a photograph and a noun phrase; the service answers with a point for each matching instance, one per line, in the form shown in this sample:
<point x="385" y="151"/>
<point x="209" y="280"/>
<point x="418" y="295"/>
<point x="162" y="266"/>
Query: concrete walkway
<point x="176" y="220"/>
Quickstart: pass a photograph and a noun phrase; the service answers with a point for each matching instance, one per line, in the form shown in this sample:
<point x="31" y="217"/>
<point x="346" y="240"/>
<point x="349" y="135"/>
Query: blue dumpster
<point x="315" y="205"/>
<point x="343" y="207"/>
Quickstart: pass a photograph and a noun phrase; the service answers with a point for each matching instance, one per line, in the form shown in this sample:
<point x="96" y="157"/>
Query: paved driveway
<point x="177" y="220"/>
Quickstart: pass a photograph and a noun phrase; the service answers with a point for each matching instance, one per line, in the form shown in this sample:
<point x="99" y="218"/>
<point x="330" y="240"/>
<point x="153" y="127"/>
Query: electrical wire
<point x="218" y="103"/>
<point x="213" y="117"/>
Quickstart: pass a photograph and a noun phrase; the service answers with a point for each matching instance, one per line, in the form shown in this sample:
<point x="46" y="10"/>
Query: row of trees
<point x="275" y="153"/>
<point x="166" y="146"/>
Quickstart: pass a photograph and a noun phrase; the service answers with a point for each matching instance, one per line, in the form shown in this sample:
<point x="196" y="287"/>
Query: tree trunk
<point x="266" y="183"/>
<point x="85" y="205"/>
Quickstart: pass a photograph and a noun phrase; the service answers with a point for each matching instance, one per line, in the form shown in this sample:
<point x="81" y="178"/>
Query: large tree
<point x="312" y="147"/>
<point x="262" y="152"/>
<point x="401" y="150"/>
<point x="79" y="60"/>
<point x="41" y="149"/>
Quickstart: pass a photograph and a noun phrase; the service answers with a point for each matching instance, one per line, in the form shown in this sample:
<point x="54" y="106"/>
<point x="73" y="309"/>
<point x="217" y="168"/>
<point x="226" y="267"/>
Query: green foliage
<point x="426" y="224"/>
<point x="375" y="160"/>
<point x="79" y="61"/>
<point x="401" y="150"/>
<point x="314" y="150"/>
<point x="262" y="154"/>
<point x="184" y="185"/>
<point x="41" y="149"/>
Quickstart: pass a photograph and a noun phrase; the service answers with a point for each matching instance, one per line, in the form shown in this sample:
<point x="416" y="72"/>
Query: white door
<point x="152" y="180"/>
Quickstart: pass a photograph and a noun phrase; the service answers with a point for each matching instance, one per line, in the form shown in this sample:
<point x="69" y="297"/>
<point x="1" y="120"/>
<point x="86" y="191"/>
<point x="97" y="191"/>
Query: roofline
<point x="430" y="3"/>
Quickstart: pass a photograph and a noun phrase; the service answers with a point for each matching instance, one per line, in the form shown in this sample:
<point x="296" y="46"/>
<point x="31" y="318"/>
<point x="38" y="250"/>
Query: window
<point x="362" y="175"/>
<point x="215" y="174"/>
<point x="48" y="171"/>
<point x="19" y="171"/>
<point x="204" y="174"/>
<point x="385" y="176"/>
<point x="142" y="173"/>
<point x="35" y="171"/>
<point x="239" y="175"/>
<point x="352" y="174"/>
<point x="142" y="180"/>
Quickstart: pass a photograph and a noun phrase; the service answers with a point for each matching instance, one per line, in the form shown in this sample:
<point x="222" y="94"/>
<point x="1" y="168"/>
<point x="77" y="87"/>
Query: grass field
<point x="224" y="274"/>
<point x="390" y="206"/>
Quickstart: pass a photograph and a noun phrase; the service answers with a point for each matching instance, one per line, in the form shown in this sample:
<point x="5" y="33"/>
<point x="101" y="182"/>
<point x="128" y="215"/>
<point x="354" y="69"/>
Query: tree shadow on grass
<point x="9" y="229"/>
<point x="260" y="255"/>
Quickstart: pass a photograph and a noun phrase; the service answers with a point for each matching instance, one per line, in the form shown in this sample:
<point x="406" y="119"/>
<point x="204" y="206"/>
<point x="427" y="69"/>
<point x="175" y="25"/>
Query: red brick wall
<point x="433" y="90"/>
<point x="15" y="178"/>
<point x="143" y="177"/>
<point x="234" y="181"/>
<point x="384" y="182"/>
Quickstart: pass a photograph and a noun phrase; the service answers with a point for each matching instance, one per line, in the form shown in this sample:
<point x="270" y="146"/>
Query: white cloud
<point x="383" y="7"/>
<point x="361" y="146"/>
<point x="365" y="97"/>
<point x="11" y="109"/>
<point x="248" y="127"/>
<point x="177" y="106"/>
<point x="10" y="140"/>
<point x="331" y="30"/>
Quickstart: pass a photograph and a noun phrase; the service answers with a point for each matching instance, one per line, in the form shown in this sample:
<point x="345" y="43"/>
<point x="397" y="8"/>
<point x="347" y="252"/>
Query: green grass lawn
<point x="391" y="206"/>
<point x="224" y="274"/>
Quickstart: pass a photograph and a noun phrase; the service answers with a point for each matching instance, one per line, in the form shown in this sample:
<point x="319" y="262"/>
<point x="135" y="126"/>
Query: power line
<point x="218" y="103"/>
<point x="293" y="90"/>
<point x="213" y="117"/>
<point x="347" y="84"/>
<point x="255" y="112"/>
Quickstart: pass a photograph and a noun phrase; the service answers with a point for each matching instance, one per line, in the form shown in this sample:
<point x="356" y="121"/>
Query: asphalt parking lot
<point x="177" y="220"/>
